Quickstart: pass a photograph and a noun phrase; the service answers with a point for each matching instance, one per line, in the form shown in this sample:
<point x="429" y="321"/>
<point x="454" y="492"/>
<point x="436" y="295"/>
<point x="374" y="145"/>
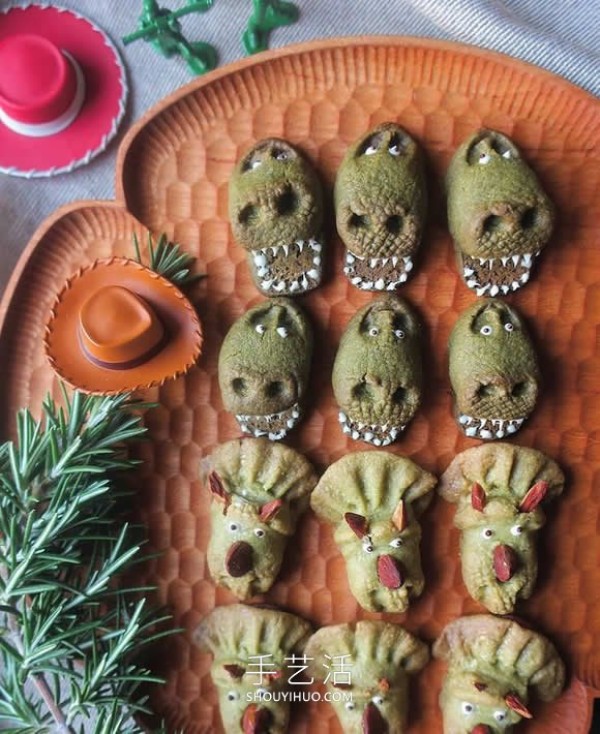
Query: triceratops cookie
<point x="263" y="368"/>
<point x="499" y="489"/>
<point x="251" y="647"/>
<point x="380" y="202"/>
<point x="259" y="490"/>
<point x="492" y="665"/>
<point x="276" y="213"/>
<point x="498" y="214"/>
<point x="380" y="656"/>
<point x="493" y="370"/>
<point x="373" y="499"/>
<point x="377" y="371"/>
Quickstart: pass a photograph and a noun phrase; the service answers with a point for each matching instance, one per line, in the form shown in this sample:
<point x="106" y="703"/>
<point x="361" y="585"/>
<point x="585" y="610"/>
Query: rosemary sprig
<point x="168" y="259"/>
<point x="69" y="636"/>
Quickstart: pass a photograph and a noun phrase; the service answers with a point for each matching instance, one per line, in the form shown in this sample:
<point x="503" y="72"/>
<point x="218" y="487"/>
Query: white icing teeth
<point x="378" y="435"/>
<point x="524" y="261"/>
<point x="264" y="259"/>
<point x="488" y="429"/>
<point x="402" y="266"/>
<point x="261" y="425"/>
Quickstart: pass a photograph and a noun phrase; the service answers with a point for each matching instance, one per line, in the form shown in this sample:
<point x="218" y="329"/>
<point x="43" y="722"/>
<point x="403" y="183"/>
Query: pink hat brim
<point x="105" y="94"/>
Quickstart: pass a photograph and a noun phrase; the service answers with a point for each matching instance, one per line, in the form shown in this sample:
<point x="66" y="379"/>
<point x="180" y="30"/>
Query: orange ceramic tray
<point x="172" y="175"/>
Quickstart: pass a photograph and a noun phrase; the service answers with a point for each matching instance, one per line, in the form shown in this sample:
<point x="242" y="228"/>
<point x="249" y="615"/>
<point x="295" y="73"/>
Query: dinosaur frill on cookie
<point x="276" y="214"/>
<point x="380" y="202"/>
<point x="263" y="368"/>
<point x="499" y="216"/>
<point x="373" y="499"/>
<point x="499" y="490"/>
<point x="493" y="370"/>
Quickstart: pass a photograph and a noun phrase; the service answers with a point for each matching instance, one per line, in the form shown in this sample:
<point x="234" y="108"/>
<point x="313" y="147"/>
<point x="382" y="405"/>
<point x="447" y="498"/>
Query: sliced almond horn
<point x="235" y="671"/>
<point x="357" y="523"/>
<point x="513" y="702"/>
<point x="268" y="511"/>
<point x="478" y="497"/>
<point x="534" y="496"/>
<point x="399" y="517"/>
<point x="218" y="490"/>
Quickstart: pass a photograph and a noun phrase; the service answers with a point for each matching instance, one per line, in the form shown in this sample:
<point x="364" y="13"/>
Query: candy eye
<point x="467" y="708"/>
<point x="374" y="331"/>
<point x="254" y="164"/>
<point x="260" y="692"/>
<point x="516" y="530"/>
<point x="484" y="158"/>
<point x="281" y="156"/>
<point x="233" y="527"/>
<point x="349" y="706"/>
<point x="369" y="150"/>
<point x="486" y="330"/>
<point x="260" y="328"/>
<point x="508" y="326"/>
<point x="378" y="700"/>
<point x="507" y="154"/>
<point x="399" y="334"/>
<point x="394" y="149"/>
<point x="259" y="532"/>
<point x="368" y="547"/>
<point x="487" y="533"/>
<point x="396" y="543"/>
<point x="282" y="331"/>
<point x="500" y="716"/>
<point x="233" y="696"/>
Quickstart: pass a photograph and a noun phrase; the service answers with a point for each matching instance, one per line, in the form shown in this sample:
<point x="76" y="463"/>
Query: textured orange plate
<point x="172" y="176"/>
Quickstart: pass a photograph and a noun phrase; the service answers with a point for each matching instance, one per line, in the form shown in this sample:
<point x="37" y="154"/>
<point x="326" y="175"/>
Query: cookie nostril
<point x="519" y="390"/>
<point x="361" y="391"/>
<point x="238" y="385"/>
<point x="492" y="223"/>
<point x="393" y="224"/>
<point x="358" y="221"/>
<point x="286" y="203"/>
<point x="528" y="220"/>
<point x="247" y="214"/>
<point x="399" y="395"/>
<point x="485" y="391"/>
<point x="274" y="389"/>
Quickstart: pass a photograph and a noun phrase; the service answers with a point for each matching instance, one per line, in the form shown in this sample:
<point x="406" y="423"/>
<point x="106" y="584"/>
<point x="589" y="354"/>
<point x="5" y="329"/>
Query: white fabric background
<point x="561" y="35"/>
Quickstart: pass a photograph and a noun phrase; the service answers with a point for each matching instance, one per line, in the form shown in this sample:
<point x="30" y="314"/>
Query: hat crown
<point x="118" y="327"/>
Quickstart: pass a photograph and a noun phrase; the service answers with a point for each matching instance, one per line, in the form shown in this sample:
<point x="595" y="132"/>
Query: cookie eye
<point x="374" y="331"/>
<point x="487" y="533"/>
<point x="282" y="331"/>
<point x="349" y="706"/>
<point x="516" y="530"/>
<point x="259" y="532"/>
<point x="507" y="154"/>
<point x="260" y="328"/>
<point x="396" y="543"/>
<point x="399" y="334"/>
<point x="484" y="158"/>
<point x="233" y="527"/>
<point x="467" y="708"/>
<point x="378" y="700"/>
<point x="233" y="696"/>
<point x="500" y="716"/>
<point x="508" y="326"/>
<point x="486" y="330"/>
<point x="370" y="149"/>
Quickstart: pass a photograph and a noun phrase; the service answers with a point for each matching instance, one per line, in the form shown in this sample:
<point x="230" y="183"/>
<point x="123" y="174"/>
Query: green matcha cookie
<point x="251" y="648"/>
<point x="380" y="202"/>
<point x="276" y="214"/>
<point x="263" y="368"/>
<point x="379" y="657"/>
<point x="259" y="490"/>
<point x="373" y="499"/>
<point x="498" y="214"/>
<point x="493" y="370"/>
<point x="499" y="490"/>
<point x="377" y="371"/>
<point x="493" y="663"/>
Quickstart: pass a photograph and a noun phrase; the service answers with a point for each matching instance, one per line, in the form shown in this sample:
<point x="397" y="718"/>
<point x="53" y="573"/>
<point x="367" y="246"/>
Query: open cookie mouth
<point x="290" y="268"/>
<point x="494" y="275"/>
<point x="273" y="425"/>
<point x="377" y="273"/>
<point x="489" y="428"/>
<point x="378" y="435"/>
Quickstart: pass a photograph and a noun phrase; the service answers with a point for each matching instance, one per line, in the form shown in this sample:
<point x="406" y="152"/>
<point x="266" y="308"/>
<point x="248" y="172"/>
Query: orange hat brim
<point x="63" y="346"/>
